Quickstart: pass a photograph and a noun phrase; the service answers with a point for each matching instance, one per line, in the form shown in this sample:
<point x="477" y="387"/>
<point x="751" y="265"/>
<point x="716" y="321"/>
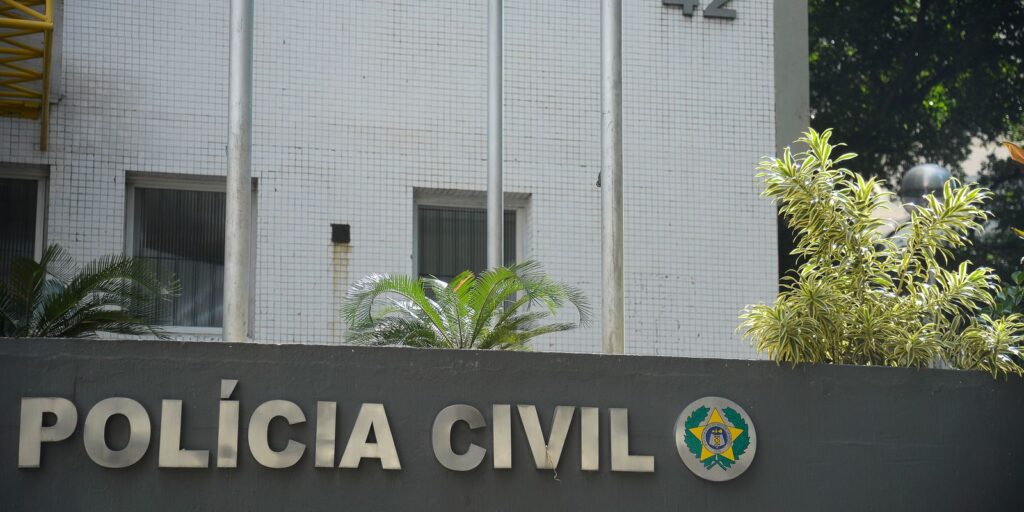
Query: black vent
<point x="341" y="233"/>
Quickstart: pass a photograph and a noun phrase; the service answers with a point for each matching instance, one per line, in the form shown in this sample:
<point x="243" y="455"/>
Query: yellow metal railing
<point x="26" y="40"/>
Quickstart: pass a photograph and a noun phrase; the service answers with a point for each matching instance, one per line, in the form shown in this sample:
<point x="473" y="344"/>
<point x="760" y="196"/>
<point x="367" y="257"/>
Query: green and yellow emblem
<point x="715" y="438"/>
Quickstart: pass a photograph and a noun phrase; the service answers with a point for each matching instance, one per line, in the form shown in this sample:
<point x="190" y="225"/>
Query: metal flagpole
<point x="238" y="217"/>
<point x="612" y="296"/>
<point x="495" y="200"/>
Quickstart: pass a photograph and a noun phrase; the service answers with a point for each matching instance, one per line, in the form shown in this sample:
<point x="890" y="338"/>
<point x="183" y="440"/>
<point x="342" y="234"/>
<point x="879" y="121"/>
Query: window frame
<point x="196" y="183"/>
<point x="41" y="175"/>
<point x="470" y="200"/>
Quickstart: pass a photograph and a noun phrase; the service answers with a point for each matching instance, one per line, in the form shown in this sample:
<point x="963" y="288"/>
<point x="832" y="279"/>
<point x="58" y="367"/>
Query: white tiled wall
<point x="358" y="102"/>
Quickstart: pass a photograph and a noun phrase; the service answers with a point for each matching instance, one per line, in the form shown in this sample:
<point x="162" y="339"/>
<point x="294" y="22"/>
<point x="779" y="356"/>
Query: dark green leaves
<point x="51" y="298"/>
<point x="502" y="308"/>
<point x="913" y="81"/>
<point x="694" y="420"/>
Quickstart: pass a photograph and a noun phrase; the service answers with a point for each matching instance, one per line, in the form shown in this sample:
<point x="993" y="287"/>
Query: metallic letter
<point x="260" y="423"/>
<point x="441" y="437"/>
<point x="96" y="432"/>
<point x="716" y="9"/>
<point x="33" y="434"/>
<point x="501" y="415"/>
<point x="326" y="428"/>
<point x="227" y="435"/>
<point x="357" y="449"/>
<point x="621" y="459"/>
<point x="688" y="5"/>
<point x="227" y="426"/>
<point x="590" y="441"/>
<point x="546" y="454"/>
<point x="172" y="455"/>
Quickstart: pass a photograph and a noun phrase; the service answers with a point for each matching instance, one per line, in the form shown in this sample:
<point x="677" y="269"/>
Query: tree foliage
<point x="997" y="246"/>
<point x="1010" y="299"/>
<point x="862" y="298"/>
<point x="917" y="79"/>
<point x="923" y="80"/>
<point x="52" y="298"/>
<point x="492" y="310"/>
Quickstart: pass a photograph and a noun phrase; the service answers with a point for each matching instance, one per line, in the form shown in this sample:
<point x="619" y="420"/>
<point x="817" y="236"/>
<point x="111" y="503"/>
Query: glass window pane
<point x="17" y="221"/>
<point x="182" y="232"/>
<point x="452" y="240"/>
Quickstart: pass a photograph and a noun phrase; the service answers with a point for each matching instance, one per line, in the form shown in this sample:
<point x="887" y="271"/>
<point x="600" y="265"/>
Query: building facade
<point x="373" y="115"/>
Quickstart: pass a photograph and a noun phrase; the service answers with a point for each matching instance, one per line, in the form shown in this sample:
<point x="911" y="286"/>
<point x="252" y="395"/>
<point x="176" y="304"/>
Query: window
<point x="451" y="239"/>
<point x="177" y="224"/>
<point x="22" y="209"/>
<point x="182" y="232"/>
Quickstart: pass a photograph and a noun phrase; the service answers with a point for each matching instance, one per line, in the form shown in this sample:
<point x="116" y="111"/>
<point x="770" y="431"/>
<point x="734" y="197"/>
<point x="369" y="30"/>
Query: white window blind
<point x="453" y="239"/>
<point x="182" y="232"/>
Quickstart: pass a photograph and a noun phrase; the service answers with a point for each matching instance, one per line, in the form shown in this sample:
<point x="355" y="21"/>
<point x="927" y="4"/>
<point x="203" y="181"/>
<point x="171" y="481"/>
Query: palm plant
<point x="52" y="299"/>
<point x="487" y="311"/>
<point x="863" y="298"/>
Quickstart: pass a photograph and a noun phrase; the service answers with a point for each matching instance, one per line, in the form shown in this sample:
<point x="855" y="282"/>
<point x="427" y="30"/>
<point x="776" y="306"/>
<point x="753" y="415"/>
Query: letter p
<point x="33" y="434"/>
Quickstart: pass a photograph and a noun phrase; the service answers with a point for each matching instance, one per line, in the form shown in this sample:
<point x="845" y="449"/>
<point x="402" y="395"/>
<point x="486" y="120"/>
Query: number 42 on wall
<point x="716" y="9"/>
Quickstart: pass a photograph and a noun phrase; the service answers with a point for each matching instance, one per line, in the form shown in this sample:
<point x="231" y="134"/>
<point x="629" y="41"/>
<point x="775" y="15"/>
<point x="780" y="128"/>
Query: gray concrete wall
<point x="830" y="438"/>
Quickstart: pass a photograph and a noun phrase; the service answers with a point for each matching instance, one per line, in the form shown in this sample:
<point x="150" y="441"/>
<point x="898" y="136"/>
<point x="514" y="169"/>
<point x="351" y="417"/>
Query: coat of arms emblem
<point x="715" y="438"/>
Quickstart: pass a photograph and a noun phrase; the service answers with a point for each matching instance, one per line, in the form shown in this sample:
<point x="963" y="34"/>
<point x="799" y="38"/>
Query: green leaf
<point x="693" y="421"/>
<point x="861" y="297"/>
<point x="502" y="308"/>
<point x="742" y="441"/>
<point x="54" y="298"/>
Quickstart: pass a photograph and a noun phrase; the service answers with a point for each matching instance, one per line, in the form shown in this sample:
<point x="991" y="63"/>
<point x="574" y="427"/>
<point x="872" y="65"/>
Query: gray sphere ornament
<point x="923" y="180"/>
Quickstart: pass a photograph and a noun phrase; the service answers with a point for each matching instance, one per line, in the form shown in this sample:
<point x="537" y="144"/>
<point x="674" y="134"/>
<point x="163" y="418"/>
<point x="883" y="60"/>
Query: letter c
<point x="259" y="424"/>
<point x="441" y="437"/>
